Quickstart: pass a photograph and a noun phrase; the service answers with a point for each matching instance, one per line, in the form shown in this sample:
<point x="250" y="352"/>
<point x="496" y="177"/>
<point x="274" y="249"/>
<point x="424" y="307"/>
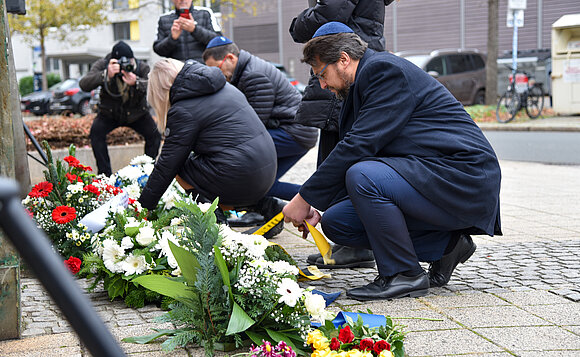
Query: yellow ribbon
<point x="324" y="248"/>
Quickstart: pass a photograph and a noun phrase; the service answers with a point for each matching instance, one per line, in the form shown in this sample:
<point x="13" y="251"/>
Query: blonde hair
<point x="161" y="79"/>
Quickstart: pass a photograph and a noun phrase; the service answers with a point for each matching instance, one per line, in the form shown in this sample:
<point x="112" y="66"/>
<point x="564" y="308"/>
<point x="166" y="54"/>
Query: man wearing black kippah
<point x="123" y="81"/>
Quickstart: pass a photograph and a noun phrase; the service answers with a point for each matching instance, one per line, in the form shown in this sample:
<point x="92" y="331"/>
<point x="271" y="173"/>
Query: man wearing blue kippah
<point x="275" y="101"/>
<point x="320" y="108"/>
<point x="412" y="175"/>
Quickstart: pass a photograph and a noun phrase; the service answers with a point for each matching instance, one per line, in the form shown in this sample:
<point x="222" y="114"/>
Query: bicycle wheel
<point x="507" y="107"/>
<point x="535" y="102"/>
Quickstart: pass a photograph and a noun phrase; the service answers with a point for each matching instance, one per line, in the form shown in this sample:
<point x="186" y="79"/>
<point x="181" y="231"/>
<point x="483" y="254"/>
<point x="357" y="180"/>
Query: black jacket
<point x="213" y="140"/>
<point x="111" y="105"/>
<point x="398" y="114"/>
<point x="272" y="96"/>
<point x="319" y="107"/>
<point x="188" y="45"/>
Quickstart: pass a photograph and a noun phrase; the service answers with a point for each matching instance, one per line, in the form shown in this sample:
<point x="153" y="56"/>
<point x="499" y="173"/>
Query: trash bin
<point x="537" y="62"/>
<point x="566" y="64"/>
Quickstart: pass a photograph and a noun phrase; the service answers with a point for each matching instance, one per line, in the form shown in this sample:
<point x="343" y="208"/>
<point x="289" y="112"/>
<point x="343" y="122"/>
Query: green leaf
<point x="278" y="336"/>
<point x="239" y="321"/>
<point x="166" y="287"/>
<point x="256" y="337"/>
<point x="149" y="338"/>
<point x="222" y="266"/>
<point x="132" y="231"/>
<point x="187" y="263"/>
<point x="116" y="287"/>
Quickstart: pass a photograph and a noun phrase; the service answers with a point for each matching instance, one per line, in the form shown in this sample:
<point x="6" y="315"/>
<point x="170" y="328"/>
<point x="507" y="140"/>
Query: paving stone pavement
<point x="517" y="296"/>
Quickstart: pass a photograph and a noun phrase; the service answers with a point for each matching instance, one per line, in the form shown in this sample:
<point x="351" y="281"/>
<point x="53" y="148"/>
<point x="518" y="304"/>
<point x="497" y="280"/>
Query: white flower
<point x="127" y="243"/>
<point x="315" y="305"/>
<point x="112" y="255"/>
<point x="284" y="268"/>
<point x="204" y="206"/>
<point x="75" y="188"/>
<point x="131" y="173"/>
<point x="132" y="222"/>
<point x="141" y="160"/>
<point x="133" y="190"/>
<point x="169" y="199"/>
<point x="166" y="250"/>
<point x="148" y="168"/>
<point x="134" y="264"/>
<point x="145" y="236"/>
<point x="176" y="221"/>
<point x="289" y="292"/>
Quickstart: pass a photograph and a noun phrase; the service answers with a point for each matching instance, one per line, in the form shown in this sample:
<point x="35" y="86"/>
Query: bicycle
<point x="525" y="93"/>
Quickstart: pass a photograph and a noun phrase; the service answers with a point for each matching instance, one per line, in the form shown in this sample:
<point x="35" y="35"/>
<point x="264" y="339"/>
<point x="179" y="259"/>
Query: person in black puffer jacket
<point x="122" y="102"/>
<point x="215" y="144"/>
<point x="183" y="35"/>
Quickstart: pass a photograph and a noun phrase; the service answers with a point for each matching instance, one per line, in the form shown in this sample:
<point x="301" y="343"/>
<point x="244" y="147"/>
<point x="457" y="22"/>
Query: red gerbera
<point x="63" y="214"/>
<point x="93" y="189"/>
<point x="41" y="189"/>
<point x="73" y="264"/>
<point x="72" y="161"/>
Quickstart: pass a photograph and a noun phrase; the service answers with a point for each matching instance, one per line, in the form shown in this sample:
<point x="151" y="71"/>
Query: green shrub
<point x="26" y="84"/>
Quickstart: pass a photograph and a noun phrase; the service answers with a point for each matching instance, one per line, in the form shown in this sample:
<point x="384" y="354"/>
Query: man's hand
<point x="187" y="24"/>
<point x="298" y="210"/>
<point x="175" y="29"/>
<point x="113" y="68"/>
<point x="130" y="78"/>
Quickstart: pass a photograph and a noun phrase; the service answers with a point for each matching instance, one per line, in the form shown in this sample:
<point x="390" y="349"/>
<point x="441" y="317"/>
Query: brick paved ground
<point x="518" y="295"/>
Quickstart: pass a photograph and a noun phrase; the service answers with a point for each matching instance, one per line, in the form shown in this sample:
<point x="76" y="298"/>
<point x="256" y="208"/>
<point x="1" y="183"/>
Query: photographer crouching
<point x="123" y="102"/>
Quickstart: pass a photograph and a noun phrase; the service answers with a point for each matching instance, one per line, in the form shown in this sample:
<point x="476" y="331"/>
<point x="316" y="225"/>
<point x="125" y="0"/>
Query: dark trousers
<point x="103" y="125"/>
<point x="386" y="214"/>
<point x="288" y="152"/>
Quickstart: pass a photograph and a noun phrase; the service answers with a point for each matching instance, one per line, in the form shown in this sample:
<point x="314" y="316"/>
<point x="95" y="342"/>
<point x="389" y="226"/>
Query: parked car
<point x="95" y="99"/>
<point x="69" y="98"/>
<point x="297" y="84"/>
<point x="38" y="103"/>
<point x="462" y="72"/>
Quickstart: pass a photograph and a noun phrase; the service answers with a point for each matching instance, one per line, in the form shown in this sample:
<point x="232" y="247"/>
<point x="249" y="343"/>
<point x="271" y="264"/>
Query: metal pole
<point x="280" y="37"/>
<point x="48" y="267"/>
<point x="515" y="48"/>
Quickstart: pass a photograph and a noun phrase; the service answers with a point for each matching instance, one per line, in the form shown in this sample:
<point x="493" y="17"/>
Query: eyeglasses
<point x="320" y="75"/>
<point x="222" y="62"/>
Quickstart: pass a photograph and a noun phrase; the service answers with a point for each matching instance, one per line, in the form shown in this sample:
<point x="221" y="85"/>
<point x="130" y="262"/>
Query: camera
<point x="126" y="64"/>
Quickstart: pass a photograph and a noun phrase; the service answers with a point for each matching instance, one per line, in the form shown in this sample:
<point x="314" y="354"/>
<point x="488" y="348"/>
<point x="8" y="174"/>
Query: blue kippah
<point x="330" y="28"/>
<point x="219" y="41"/>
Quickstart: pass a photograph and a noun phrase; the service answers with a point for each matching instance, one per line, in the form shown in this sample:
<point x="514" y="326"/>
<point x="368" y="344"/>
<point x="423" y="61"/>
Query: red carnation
<point x="73" y="264"/>
<point x="73" y="178"/>
<point x="132" y="200"/>
<point x="345" y="335"/>
<point x="334" y="344"/>
<point x="93" y="189"/>
<point x="85" y="168"/>
<point x="72" y="161"/>
<point x="366" y="344"/>
<point x="63" y="214"/>
<point x="381" y="345"/>
<point x="41" y="189"/>
<point x="30" y="214"/>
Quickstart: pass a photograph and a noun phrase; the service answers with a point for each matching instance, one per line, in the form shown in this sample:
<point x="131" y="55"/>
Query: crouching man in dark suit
<point x="412" y="175"/>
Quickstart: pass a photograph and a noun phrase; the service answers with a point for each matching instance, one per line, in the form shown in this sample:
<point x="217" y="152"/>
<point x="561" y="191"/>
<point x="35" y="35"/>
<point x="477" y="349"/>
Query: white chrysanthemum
<point x="133" y="191"/>
<point x="145" y="236"/>
<point x="131" y="173"/>
<point x="284" y="268"/>
<point x="250" y="245"/>
<point x="148" y="168"/>
<point x="127" y="243"/>
<point x="112" y="255"/>
<point x="166" y="250"/>
<point x="315" y="305"/>
<point x="169" y="198"/>
<point x="290" y="292"/>
<point x="142" y="160"/>
<point x="134" y="264"/>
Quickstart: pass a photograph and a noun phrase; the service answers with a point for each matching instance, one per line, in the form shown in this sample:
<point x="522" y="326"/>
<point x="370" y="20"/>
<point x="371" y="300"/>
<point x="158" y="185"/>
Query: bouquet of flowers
<point x="355" y="339"/>
<point x="233" y="287"/>
<point x="69" y="192"/>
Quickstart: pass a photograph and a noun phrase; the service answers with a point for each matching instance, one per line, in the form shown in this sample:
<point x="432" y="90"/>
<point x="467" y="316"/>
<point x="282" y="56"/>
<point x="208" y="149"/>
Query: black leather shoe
<point x="312" y="258"/>
<point x="392" y="287"/>
<point x="248" y="219"/>
<point x="441" y="270"/>
<point x="348" y="257"/>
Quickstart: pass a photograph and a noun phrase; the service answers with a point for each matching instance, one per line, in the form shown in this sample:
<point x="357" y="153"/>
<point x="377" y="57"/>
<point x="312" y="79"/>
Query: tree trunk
<point x="43" y="60"/>
<point x="491" y="62"/>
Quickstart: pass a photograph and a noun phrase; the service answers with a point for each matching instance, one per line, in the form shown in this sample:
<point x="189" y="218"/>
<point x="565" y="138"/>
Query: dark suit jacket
<point x="398" y="114"/>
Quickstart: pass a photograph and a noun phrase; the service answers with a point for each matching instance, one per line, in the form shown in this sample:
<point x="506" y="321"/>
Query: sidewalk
<point x="519" y="295"/>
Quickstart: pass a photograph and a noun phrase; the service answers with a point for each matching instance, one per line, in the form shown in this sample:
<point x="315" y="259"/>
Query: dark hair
<point x="219" y="52"/>
<point x="327" y="49"/>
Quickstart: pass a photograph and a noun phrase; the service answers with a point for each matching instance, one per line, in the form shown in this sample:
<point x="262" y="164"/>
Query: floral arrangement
<point x="355" y="339"/>
<point x="233" y="287"/>
<point x="266" y="349"/>
<point x="69" y="193"/>
<point x="132" y="245"/>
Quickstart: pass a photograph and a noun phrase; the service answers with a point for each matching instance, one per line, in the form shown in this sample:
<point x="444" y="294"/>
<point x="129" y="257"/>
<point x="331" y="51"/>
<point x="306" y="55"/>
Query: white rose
<point x="146" y="236"/>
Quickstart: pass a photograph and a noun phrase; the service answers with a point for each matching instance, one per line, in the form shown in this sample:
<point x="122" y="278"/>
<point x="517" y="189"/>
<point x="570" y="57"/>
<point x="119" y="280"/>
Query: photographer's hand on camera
<point x="113" y="68"/>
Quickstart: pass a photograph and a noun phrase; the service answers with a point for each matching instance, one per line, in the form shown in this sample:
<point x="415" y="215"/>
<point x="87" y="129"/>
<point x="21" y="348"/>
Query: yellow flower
<point x="313" y="335"/>
<point x="324" y="353"/>
<point x="320" y="343"/>
<point x="386" y="353"/>
<point x="354" y="353"/>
